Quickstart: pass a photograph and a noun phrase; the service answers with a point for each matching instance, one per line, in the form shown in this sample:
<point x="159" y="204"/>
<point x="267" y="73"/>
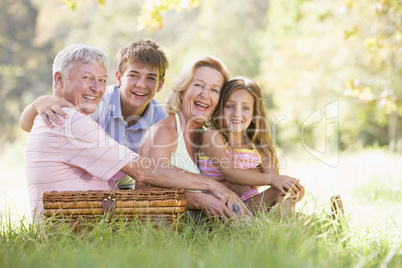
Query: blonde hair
<point x="259" y="131"/>
<point x="173" y="103"/>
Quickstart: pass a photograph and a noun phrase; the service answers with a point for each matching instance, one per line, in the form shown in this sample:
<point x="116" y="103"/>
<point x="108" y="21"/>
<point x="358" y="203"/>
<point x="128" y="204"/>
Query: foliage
<point x="73" y="3"/>
<point x="305" y="54"/>
<point x="150" y="16"/>
<point x="304" y="59"/>
<point x="377" y="26"/>
<point x="151" y="11"/>
<point x="21" y="61"/>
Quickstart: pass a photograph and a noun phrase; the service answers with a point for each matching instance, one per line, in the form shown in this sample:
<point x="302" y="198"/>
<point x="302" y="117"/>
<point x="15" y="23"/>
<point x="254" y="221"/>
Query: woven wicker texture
<point x="146" y="194"/>
<point x="150" y="204"/>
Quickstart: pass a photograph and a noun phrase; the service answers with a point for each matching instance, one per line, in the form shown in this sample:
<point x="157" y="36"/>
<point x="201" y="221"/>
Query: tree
<point x="303" y="66"/>
<point x="313" y="47"/>
<point x="377" y="27"/>
<point x="20" y="61"/>
<point x="151" y="11"/>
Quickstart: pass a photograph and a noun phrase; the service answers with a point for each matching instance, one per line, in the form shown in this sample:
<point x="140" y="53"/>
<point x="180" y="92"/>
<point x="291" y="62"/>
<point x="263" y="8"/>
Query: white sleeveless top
<point x="181" y="158"/>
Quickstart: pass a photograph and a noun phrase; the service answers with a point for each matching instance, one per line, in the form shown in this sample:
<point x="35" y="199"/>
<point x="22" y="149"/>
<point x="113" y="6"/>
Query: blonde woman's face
<point x="201" y="97"/>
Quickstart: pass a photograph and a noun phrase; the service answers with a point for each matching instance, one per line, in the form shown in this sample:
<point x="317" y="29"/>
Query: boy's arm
<point x="27" y="118"/>
<point x="47" y="107"/>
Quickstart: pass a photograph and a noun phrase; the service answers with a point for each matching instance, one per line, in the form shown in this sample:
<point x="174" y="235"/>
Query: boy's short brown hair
<point x="144" y="53"/>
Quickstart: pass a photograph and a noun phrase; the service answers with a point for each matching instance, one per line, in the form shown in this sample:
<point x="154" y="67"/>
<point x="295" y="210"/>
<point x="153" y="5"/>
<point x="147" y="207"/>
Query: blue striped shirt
<point x="109" y="116"/>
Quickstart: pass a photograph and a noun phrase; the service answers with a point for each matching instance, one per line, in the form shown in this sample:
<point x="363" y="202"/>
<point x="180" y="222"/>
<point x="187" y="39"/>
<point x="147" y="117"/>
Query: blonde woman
<point x="174" y="140"/>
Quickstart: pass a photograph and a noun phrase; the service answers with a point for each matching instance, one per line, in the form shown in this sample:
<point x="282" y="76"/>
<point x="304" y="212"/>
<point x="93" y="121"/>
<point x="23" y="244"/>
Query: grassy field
<point x="369" y="235"/>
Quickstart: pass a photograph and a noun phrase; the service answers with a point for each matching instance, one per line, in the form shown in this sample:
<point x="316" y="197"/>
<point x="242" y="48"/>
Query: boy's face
<point x="138" y="86"/>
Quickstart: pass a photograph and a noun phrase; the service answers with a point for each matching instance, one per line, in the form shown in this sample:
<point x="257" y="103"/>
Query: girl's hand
<point x="286" y="184"/>
<point x="300" y="195"/>
<point x="238" y="189"/>
<point x="294" y="198"/>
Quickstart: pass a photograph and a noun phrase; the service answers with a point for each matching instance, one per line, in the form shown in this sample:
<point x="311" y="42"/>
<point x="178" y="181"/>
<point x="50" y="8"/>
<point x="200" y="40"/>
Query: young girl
<point x="238" y="148"/>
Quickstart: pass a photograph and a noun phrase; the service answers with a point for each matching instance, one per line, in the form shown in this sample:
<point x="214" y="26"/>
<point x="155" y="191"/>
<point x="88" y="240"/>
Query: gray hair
<point x="65" y="59"/>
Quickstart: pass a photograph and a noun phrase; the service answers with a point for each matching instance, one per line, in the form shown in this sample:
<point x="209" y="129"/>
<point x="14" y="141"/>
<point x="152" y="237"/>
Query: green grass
<point x="377" y="191"/>
<point x="369" y="235"/>
<point x="269" y="241"/>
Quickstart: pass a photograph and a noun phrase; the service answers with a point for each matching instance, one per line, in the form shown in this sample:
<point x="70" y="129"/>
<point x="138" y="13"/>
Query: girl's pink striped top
<point x="241" y="158"/>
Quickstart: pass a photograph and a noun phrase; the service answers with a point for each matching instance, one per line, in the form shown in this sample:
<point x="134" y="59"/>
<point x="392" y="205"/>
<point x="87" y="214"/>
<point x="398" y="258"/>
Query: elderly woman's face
<point x="202" y="95"/>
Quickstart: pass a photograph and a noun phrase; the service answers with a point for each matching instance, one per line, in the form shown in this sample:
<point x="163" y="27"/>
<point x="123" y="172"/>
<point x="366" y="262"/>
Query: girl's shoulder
<point x="214" y="136"/>
<point x="211" y="142"/>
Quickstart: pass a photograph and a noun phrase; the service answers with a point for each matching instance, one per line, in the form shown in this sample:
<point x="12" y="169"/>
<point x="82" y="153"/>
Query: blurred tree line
<point x="305" y="54"/>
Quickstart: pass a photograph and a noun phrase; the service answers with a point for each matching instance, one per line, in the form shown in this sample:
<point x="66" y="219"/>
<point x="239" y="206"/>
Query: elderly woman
<point x="175" y="139"/>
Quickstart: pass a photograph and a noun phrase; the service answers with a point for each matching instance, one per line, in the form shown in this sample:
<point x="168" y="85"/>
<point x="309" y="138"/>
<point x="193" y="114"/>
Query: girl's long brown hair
<point x="259" y="131"/>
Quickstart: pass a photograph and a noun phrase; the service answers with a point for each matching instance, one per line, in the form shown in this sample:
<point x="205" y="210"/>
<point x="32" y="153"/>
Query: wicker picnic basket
<point x="154" y="204"/>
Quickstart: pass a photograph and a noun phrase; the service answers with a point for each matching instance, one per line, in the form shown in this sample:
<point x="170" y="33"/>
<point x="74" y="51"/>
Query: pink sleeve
<point x="118" y="175"/>
<point x="83" y="143"/>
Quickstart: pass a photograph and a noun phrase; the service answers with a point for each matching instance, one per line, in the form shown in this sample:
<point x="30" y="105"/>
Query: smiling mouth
<point x="88" y="97"/>
<point x="205" y="106"/>
<point x="140" y="94"/>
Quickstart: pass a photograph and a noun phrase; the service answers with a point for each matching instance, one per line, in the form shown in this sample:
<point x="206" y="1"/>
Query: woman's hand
<point x="209" y="205"/>
<point x="48" y="106"/>
<point x="212" y="206"/>
<point x="230" y="199"/>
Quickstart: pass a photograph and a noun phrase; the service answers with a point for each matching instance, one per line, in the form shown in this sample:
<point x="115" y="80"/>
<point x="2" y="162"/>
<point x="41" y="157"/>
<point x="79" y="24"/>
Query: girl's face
<point x="202" y="95"/>
<point x="238" y="111"/>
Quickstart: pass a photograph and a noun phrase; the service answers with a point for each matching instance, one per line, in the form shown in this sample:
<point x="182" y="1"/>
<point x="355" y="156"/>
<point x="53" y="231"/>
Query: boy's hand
<point x="48" y="106"/>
